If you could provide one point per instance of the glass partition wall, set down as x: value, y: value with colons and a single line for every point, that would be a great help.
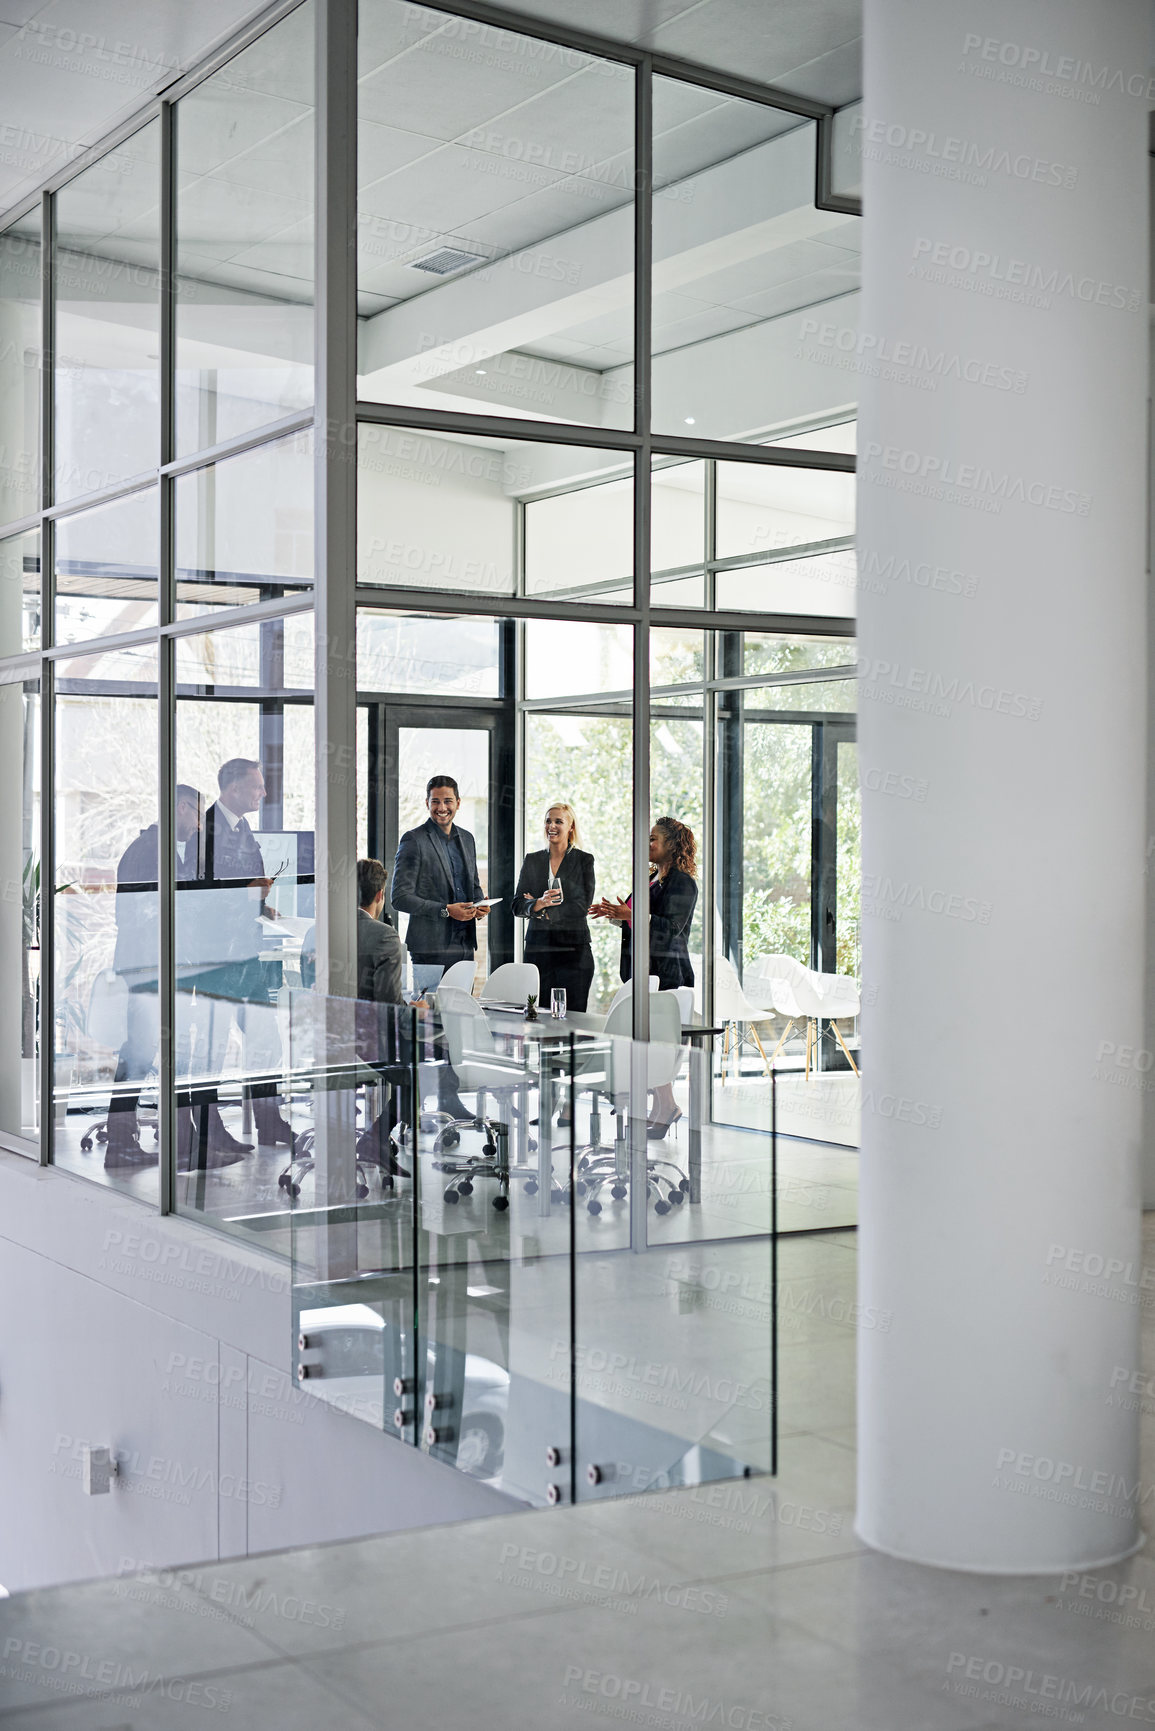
x: 547, y: 485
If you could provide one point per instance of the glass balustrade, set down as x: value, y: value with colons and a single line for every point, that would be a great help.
x: 496, y: 1259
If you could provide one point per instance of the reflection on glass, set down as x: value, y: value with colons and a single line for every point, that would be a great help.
x: 436, y: 513
x: 244, y: 528
x: 564, y: 658
x: 106, y: 1029
x: 849, y: 861
x: 20, y: 369
x: 244, y: 231
x: 107, y: 318
x: 766, y: 653
x: 678, y: 533
x: 20, y: 593
x: 495, y: 220
x: 20, y: 915
x: 677, y: 657
x: 746, y: 270
x: 402, y: 653
x: 585, y: 760
x: 106, y: 569
x: 581, y: 541
x: 244, y: 906
x: 763, y: 509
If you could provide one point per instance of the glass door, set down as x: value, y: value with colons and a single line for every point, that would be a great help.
x: 405, y: 745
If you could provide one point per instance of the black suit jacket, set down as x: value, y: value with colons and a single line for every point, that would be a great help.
x: 566, y: 926
x: 380, y: 960
x: 422, y: 886
x: 672, y: 903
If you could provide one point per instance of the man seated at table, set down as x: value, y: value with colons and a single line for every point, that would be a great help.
x: 380, y: 971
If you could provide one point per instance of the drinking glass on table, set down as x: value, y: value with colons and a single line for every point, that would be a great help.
x: 557, y: 1003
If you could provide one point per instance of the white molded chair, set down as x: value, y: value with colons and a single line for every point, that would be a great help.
x: 459, y: 977
x: 623, y: 993
x: 597, y: 1164
x: 512, y: 983
x: 733, y: 1007
x: 798, y: 993
x: 481, y: 1069
x: 823, y: 998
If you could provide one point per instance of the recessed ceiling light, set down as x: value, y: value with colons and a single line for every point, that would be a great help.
x: 689, y: 420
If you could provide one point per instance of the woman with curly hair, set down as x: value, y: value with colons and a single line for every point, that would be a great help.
x: 673, y: 898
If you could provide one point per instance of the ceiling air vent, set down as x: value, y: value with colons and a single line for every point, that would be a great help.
x: 446, y: 259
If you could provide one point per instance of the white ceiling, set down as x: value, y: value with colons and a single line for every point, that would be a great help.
x: 61, y: 90
x: 491, y: 143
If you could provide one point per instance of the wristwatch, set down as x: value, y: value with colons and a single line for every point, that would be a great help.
x: 445, y: 911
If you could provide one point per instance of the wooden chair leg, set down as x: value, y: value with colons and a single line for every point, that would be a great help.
x: 760, y: 1047
x: 782, y: 1041
x: 845, y: 1047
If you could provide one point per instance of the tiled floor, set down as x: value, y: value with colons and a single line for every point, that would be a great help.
x: 746, y: 1604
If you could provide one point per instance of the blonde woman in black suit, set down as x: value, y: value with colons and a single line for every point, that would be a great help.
x: 553, y: 895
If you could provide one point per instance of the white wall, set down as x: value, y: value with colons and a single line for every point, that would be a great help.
x: 173, y: 1346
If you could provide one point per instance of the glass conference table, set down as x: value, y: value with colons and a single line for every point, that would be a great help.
x: 557, y: 1069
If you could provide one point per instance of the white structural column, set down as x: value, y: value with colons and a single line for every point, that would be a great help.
x: 1002, y: 750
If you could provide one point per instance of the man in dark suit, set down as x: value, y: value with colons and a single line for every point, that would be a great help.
x: 380, y: 972
x: 234, y: 976
x: 380, y: 952
x: 136, y: 959
x: 435, y: 882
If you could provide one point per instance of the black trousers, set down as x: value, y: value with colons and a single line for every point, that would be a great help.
x: 568, y: 965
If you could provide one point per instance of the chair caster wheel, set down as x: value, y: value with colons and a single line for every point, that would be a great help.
x: 531, y: 1145
x: 387, y: 1181
x: 501, y: 1203
x: 465, y: 1189
x: 661, y: 1207
x: 678, y: 1196
x: 282, y: 1181
x: 557, y: 1196
x: 448, y: 1139
x: 531, y: 1187
x: 684, y: 1186
x: 86, y: 1144
x: 102, y: 1134
x: 451, y: 1196
x: 594, y: 1207
x: 579, y: 1187
x: 489, y: 1150
x: 294, y: 1190
x: 618, y: 1192
x: 361, y: 1191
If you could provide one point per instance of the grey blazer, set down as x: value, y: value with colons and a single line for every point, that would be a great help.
x: 380, y: 960
x: 422, y: 886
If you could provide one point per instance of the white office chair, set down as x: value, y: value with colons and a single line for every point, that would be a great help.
x: 824, y: 998
x: 459, y: 977
x: 798, y: 993
x: 598, y: 1164
x: 512, y: 983
x: 481, y: 1069
x: 623, y: 992
x: 733, y: 1007
x: 769, y: 983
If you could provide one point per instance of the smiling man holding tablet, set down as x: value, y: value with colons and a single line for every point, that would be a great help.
x: 435, y: 882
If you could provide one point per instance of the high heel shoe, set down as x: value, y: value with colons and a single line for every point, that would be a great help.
x: 657, y: 1128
